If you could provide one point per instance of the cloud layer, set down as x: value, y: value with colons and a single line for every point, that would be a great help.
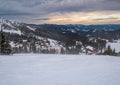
x: 43, y: 10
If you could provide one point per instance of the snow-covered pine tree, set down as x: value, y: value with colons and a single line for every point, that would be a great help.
x: 5, y: 47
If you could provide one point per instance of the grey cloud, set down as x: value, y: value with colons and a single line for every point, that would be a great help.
x: 9, y: 12
x: 82, y: 6
x: 118, y: 1
x: 42, y: 19
x: 50, y: 6
x: 14, y: 14
x: 43, y: 8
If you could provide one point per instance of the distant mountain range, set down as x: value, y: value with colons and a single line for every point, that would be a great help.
x: 75, y: 31
x: 64, y: 33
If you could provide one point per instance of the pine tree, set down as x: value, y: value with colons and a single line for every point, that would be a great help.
x: 108, y: 51
x: 114, y: 52
x: 5, y: 47
x: 0, y: 42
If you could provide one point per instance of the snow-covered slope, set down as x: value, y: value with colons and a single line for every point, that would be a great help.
x: 9, y: 26
x: 114, y: 45
x: 14, y: 27
x: 36, y: 69
x: 22, y: 29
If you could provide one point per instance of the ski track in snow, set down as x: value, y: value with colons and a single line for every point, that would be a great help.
x: 41, y: 69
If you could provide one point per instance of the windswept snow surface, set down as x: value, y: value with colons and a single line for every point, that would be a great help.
x: 40, y: 69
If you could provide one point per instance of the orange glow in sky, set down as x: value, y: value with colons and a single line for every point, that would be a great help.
x: 84, y: 18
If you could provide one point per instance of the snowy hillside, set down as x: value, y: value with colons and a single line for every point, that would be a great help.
x: 9, y: 26
x: 13, y: 27
x: 49, y: 38
x: 114, y: 45
x: 22, y: 35
x: 36, y: 69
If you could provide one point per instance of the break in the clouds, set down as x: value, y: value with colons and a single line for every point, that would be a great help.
x: 61, y: 11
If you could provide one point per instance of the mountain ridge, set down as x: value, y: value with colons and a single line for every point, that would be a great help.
x: 43, y: 37
x: 63, y: 30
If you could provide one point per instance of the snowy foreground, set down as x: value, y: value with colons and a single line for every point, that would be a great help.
x: 39, y: 69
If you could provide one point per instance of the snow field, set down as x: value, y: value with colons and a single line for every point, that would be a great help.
x: 41, y: 69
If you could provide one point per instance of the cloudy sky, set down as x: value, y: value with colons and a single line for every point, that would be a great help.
x: 62, y: 11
